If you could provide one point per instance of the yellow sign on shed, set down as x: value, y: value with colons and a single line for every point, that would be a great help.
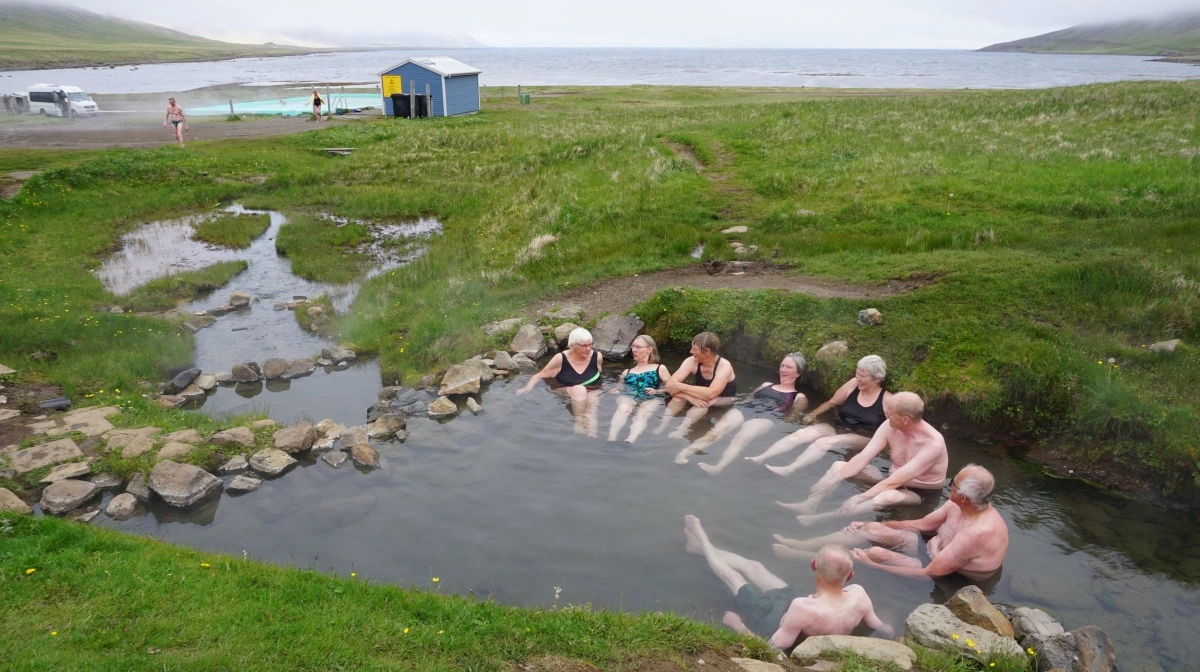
x: 391, y: 85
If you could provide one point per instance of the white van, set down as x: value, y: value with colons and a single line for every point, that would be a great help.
x: 49, y: 99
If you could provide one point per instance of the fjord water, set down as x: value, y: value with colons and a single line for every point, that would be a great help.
x: 835, y: 68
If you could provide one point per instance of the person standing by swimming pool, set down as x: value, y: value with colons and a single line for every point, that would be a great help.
x: 317, y: 103
x: 640, y: 389
x: 576, y: 374
x: 177, y: 119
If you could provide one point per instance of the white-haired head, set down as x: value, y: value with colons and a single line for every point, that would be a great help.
x: 579, y: 335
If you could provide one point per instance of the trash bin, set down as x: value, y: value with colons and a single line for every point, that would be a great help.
x: 423, y: 102
x: 524, y: 98
x: 400, y: 107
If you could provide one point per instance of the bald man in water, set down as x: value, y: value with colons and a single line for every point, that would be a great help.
x: 919, y: 461
x: 780, y: 613
x: 970, y: 536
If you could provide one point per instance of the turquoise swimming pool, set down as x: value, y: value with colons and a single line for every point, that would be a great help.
x: 289, y: 107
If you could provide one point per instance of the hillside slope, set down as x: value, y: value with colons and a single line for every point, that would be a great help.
x: 40, y: 36
x: 1175, y: 36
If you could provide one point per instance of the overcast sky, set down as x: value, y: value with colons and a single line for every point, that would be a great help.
x: 911, y: 24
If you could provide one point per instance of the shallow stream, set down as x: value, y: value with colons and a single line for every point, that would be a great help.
x: 513, y: 505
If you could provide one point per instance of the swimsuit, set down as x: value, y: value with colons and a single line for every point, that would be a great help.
x: 730, y: 387
x: 568, y: 376
x: 785, y: 399
x: 176, y: 121
x: 637, y: 384
x: 762, y: 611
x: 860, y: 419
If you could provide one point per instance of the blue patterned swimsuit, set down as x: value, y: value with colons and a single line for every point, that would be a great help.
x: 636, y: 384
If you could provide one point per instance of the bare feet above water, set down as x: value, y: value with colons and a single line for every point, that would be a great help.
x: 799, y: 507
x: 710, y: 468
x: 757, y: 459
x: 782, y: 471
x: 695, y: 535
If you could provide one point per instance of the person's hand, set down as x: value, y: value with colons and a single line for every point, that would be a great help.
x: 699, y: 403
x: 855, y: 527
x: 185, y: 127
x: 808, y: 419
x: 524, y: 390
x: 164, y: 123
x: 732, y: 620
x: 862, y: 556
x: 673, y: 386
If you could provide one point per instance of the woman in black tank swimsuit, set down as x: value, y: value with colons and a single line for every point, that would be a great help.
x: 860, y: 412
x: 577, y: 374
x: 783, y: 396
x: 715, y: 385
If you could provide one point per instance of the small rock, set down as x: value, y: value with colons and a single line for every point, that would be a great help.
x: 493, y: 328
x: 192, y: 390
x: 474, y: 406
x: 10, y: 502
x: 263, y: 423
x: 390, y: 392
x: 223, y: 377
x: 243, y: 484
x: 64, y: 471
x: 206, y: 381
x: 335, y: 459
x: 565, y: 314
x: 300, y: 367
x: 234, y: 436
x: 324, y: 426
x: 1054, y: 651
x: 235, y: 464
x: 323, y: 444
x: 271, y: 462
x: 442, y: 407
x: 1096, y: 652
x: 169, y: 401
x: 504, y: 362
x: 735, y: 229
x: 173, y: 450
x: 869, y: 317
x: 1165, y: 346
x: 529, y: 342
x: 324, y: 362
x: 297, y: 438
x: 1029, y: 621
x: 280, y: 305
x: 274, y: 368
x: 831, y: 351
x: 106, y: 480
x: 426, y: 382
x: 122, y: 507
x: 181, y: 380
x: 86, y: 516
x: 315, y: 312
x: 338, y: 354
x: 184, y: 436
x: 524, y: 363
x: 65, y: 495
x: 751, y: 665
x: 460, y: 379
x: 137, y: 487
x: 815, y: 648
x: 563, y: 332
x: 353, y: 436
x: 364, y: 455
x: 244, y: 373
x: 971, y: 606
x: 386, y: 426
x: 933, y: 625
x: 239, y: 299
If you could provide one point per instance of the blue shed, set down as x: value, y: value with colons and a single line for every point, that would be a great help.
x: 453, y: 85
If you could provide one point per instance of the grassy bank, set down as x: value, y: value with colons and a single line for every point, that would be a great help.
x: 1052, y: 230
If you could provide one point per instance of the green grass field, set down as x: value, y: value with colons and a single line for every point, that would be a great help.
x: 1055, y: 230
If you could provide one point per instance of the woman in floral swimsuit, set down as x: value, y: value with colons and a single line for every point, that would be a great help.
x: 640, y: 389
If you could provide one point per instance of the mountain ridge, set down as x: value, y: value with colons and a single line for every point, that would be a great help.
x: 1176, y: 36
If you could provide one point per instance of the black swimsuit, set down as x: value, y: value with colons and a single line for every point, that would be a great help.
x: 858, y: 418
x: 785, y: 399
x: 568, y: 376
x: 730, y: 387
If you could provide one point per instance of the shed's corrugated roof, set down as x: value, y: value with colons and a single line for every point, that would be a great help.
x: 442, y: 65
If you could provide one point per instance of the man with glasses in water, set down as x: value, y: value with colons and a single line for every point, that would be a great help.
x: 780, y: 613
x: 970, y: 536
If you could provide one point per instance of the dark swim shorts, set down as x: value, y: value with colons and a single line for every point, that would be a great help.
x: 762, y: 611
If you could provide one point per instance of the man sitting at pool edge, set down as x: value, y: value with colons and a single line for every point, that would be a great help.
x: 970, y: 538
x: 780, y: 613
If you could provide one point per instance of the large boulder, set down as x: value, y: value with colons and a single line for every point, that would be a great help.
x: 933, y: 626
x: 274, y: 368
x: 562, y: 332
x: 529, y: 342
x: 137, y: 446
x: 870, y: 317
x: 460, y: 379
x: 831, y: 351
x: 615, y: 333
x: 364, y: 455
x: 504, y: 362
x: 234, y: 436
x: 486, y: 375
x: 63, y: 496
x: 353, y: 436
x: 387, y: 426
x: 119, y: 438
x: 205, y: 381
x: 44, y: 455
x: 236, y: 464
x: 271, y: 462
x: 524, y: 363
x: 181, y: 381
x: 971, y: 606
x: 815, y: 648
x: 137, y: 487
x: 69, y: 470
x: 10, y: 502
x: 173, y: 450
x: 182, y: 485
x: 297, y: 438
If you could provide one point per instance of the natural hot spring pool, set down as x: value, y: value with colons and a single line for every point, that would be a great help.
x: 514, y: 505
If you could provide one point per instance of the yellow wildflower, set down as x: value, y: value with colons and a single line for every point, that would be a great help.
x: 353, y: 574
x: 30, y: 571
x: 53, y: 633
x: 954, y: 636
x: 1030, y: 651
x: 440, y: 631
x: 205, y: 565
x: 435, y: 579
x: 406, y: 631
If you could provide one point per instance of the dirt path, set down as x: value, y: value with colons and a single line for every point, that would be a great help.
x: 618, y: 295
x: 138, y: 130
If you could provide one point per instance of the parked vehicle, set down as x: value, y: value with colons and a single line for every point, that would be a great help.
x: 55, y: 100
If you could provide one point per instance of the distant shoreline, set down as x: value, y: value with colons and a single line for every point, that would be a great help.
x: 19, y: 66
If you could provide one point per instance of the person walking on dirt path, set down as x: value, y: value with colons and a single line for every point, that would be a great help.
x: 177, y: 118
x: 317, y: 103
